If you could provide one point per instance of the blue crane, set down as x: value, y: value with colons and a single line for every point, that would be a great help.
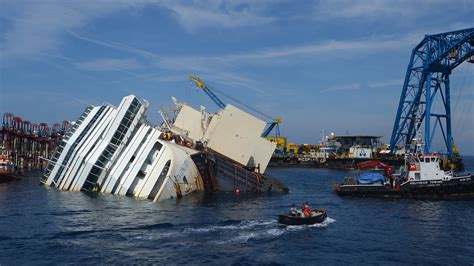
x: 213, y: 97
x: 271, y: 125
x: 431, y: 63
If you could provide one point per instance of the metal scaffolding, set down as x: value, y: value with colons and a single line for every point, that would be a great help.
x: 431, y: 63
x: 26, y: 143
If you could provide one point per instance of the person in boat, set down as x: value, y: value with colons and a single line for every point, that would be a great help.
x: 293, y: 210
x: 306, y: 209
x: 306, y: 205
x: 398, y: 182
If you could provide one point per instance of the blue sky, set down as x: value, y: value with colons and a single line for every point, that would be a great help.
x: 333, y: 65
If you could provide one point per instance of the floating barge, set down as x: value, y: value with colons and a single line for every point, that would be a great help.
x: 332, y: 163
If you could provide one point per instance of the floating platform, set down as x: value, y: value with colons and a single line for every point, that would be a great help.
x: 333, y: 163
x: 461, y: 187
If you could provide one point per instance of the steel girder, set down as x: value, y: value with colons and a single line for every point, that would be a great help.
x: 431, y: 63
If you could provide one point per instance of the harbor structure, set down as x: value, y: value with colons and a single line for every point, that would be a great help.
x: 336, y: 151
x: 24, y: 143
x: 425, y: 103
x: 426, y: 85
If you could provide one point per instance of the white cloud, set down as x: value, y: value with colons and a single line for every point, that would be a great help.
x: 110, y: 64
x: 367, y: 45
x: 113, y: 45
x: 370, y: 45
x: 225, y: 61
x: 371, y: 85
x: 386, y: 83
x: 353, y: 9
x: 217, y: 14
x: 233, y: 80
x: 222, y: 64
x: 402, y: 10
x: 153, y: 77
x: 342, y: 87
x: 38, y: 26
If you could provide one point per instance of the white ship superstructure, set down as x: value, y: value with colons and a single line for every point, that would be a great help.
x: 111, y: 149
x: 231, y: 132
x: 233, y: 155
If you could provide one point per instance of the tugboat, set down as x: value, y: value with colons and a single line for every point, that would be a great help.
x: 420, y: 178
x: 8, y: 170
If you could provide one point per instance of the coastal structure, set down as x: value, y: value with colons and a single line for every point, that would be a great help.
x: 24, y: 143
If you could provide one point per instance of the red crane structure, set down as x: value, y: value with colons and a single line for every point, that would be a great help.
x: 25, y: 142
x: 387, y: 169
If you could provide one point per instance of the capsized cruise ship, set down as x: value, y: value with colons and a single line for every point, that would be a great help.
x: 114, y: 150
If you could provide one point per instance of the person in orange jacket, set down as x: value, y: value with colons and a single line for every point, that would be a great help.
x: 306, y: 209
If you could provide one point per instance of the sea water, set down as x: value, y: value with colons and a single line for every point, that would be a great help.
x: 41, y: 225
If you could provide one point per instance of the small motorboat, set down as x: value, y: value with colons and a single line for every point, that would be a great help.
x: 317, y: 216
x: 8, y: 171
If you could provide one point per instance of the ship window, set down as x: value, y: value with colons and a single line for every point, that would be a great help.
x: 417, y: 176
x: 159, y: 181
x: 141, y: 174
x: 158, y: 146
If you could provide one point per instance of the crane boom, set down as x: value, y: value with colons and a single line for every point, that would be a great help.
x: 213, y: 97
x: 431, y: 64
x: 270, y: 127
x: 221, y: 105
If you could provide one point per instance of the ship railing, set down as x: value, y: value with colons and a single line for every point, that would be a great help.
x: 240, y: 175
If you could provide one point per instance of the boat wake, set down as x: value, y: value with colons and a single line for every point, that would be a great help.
x: 231, y: 231
x: 259, y: 230
x: 325, y: 223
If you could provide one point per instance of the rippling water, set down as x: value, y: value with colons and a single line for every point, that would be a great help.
x: 42, y: 225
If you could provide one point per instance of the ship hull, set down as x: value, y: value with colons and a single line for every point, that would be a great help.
x: 222, y: 174
x: 459, y: 187
x: 318, y: 217
x: 6, y: 177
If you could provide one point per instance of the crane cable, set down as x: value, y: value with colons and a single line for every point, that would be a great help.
x: 461, y: 88
x: 466, y: 108
x: 241, y: 103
